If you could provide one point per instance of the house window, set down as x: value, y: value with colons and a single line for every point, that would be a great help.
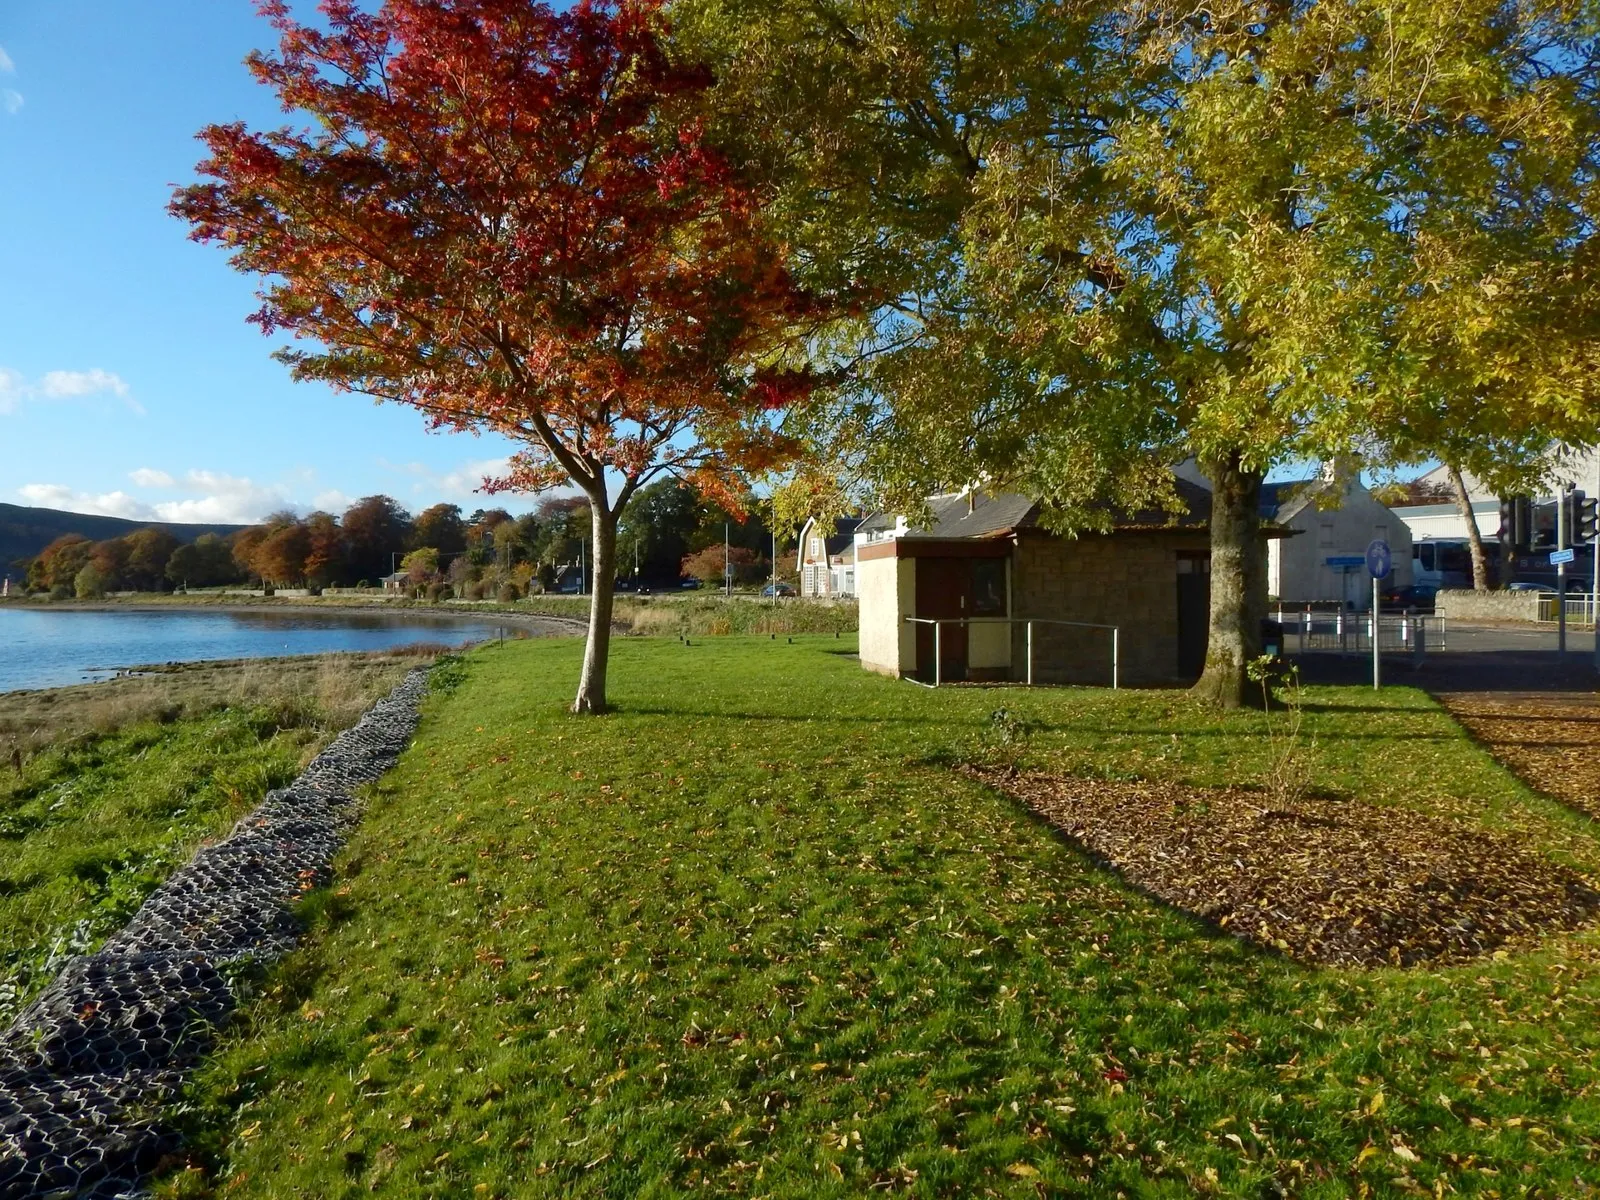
x: 816, y: 548
x: 811, y: 581
x: 1194, y: 562
x: 989, y: 587
x: 1325, y: 534
x: 1381, y: 532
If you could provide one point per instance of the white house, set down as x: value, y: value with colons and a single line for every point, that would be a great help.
x: 1332, y: 520
x: 827, y: 560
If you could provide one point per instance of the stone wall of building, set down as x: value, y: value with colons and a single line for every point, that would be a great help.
x: 1129, y: 580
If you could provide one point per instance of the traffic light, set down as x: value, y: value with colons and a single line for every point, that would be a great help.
x: 1516, y: 524
x: 1583, y: 519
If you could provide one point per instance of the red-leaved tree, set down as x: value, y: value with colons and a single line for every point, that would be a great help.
x: 510, y: 218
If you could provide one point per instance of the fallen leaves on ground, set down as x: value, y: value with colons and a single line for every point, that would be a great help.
x: 1325, y: 881
x: 1551, y: 740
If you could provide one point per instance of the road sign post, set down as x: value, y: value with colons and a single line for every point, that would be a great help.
x: 1379, y: 562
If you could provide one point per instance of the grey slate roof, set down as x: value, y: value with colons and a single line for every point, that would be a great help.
x: 843, y: 536
x: 992, y: 514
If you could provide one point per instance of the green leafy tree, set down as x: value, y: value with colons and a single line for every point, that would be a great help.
x: 654, y: 533
x: 1089, y: 240
x: 421, y: 566
x: 205, y: 562
x: 88, y: 583
x: 440, y: 527
x: 148, y: 553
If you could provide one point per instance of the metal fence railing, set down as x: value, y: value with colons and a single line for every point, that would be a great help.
x: 1028, y: 624
x: 1342, y: 632
x: 1580, y: 608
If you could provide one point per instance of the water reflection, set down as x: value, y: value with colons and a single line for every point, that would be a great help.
x: 50, y: 648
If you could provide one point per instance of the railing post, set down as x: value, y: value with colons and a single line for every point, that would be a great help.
x: 1116, y: 655
x: 938, y: 653
x: 1030, y: 653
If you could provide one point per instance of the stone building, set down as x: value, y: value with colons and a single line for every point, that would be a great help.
x: 985, y: 567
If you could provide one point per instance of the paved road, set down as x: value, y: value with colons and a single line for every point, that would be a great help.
x: 1479, y: 658
x: 1535, y: 711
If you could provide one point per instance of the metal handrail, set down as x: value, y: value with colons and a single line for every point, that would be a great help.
x: 1029, y: 623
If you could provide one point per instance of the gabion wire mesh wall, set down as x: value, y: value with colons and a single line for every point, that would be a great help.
x: 86, y: 1068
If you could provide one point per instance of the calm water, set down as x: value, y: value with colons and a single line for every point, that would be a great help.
x: 50, y: 649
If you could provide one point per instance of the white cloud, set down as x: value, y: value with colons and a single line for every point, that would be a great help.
x: 106, y: 504
x: 332, y: 501
x: 464, y: 483
x: 63, y: 385
x: 7, y: 67
x: 11, y: 101
x: 222, y: 499
x: 11, y: 390
x: 214, y: 498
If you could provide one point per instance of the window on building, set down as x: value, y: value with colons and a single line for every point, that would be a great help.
x: 1325, y: 534
x: 989, y: 587
x: 816, y: 548
x: 1380, y: 532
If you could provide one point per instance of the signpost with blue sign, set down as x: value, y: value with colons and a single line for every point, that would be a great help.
x: 1380, y: 561
x: 1560, y: 558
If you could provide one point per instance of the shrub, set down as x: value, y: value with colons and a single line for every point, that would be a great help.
x: 89, y: 584
x: 508, y: 593
x: 437, y: 592
x: 61, y: 592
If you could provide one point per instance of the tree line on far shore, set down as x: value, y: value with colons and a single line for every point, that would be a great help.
x: 671, y: 532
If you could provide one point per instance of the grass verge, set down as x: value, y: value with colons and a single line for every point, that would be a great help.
x: 124, y: 779
x: 751, y: 935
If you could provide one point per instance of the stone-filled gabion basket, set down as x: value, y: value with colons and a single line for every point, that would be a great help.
x: 87, y: 1067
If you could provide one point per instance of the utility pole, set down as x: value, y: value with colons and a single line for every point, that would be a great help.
x: 1562, y: 532
x: 727, y: 574
x: 1594, y: 590
x: 774, y: 551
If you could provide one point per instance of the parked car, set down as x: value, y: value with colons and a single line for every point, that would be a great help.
x: 777, y: 589
x: 1419, y: 597
x: 689, y: 585
x: 1527, y: 585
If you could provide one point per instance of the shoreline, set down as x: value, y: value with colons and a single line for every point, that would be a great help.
x: 302, y: 607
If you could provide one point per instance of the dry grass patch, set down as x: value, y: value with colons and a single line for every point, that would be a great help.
x: 1335, y: 882
x: 337, y: 688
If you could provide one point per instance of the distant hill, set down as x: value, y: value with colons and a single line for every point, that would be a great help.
x: 26, y: 531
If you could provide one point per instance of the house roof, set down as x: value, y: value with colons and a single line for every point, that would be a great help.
x: 843, y: 536
x: 995, y: 514
x: 1281, y: 500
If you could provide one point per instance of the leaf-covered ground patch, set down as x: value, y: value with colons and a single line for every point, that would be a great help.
x: 752, y: 936
x: 1551, y: 739
x: 1326, y: 881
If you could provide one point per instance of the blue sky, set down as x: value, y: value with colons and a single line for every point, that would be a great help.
x: 129, y: 381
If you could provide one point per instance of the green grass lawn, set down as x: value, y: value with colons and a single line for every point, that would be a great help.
x: 751, y: 935
x: 94, y: 823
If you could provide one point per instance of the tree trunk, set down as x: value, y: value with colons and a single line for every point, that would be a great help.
x: 1480, y: 561
x: 597, y: 650
x: 1238, y: 585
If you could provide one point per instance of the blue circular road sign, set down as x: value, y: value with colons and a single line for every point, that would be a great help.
x: 1379, y: 560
